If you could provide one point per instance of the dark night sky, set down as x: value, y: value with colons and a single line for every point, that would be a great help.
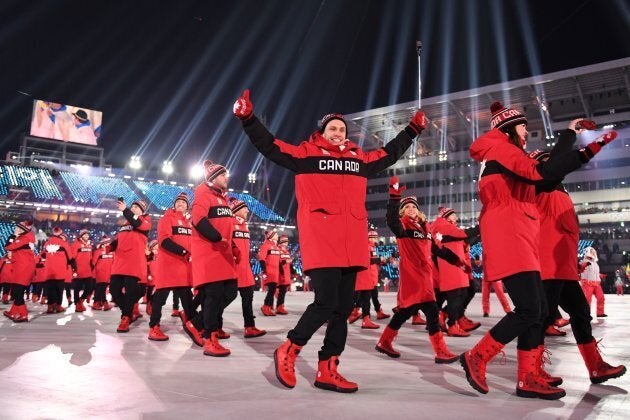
x: 165, y: 73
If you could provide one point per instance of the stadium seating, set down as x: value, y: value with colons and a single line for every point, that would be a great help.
x: 38, y: 180
x: 258, y: 208
x: 162, y: 195
x: 90, y: 189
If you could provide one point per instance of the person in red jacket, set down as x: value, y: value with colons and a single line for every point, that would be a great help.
x: 102, y: 260
x: 6, y: 271
x: 245, y: 277
x: 373, y: 239
x: 269, y: 259
x: 39, y: 280
x: 364, y: 286
x: 454, y: 280
x: 559, y: 267
x: 81, y: 251
x: 415, y: 284
x: 286, y: 273
x: 172, y: 270
x: 214, y: 254
x: 129, y: 265
x: 510, y: 230
x: 58, y: 261
x: 21, y: 245
x: 330, y: 182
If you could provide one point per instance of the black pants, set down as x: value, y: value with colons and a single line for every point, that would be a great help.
x: 375, y: 301
x: 469, y: 295
x: 271, y: 291
x: 430, y: 310
x: 68, y: 288
x: 530, y: 309
x: 570, y: 296
x: 124, y: 299
x: 6, y: 288
x: 17, y: 293
x: 364, y: 301
x: 142, y: 291
x: 176, y: 303
x: 37, y: 288
x: 216, y: 297
x: 150, y: 290
x: 455, y: 306
x: 334, y: 291
x: 83, y: 284
x: 99, y: 293
x: 440, y: 298
x: 54, y: 291
x: 247, y: 298
x: 282, y: 292
x: 159, y: 299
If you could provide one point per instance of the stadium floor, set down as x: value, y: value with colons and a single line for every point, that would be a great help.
x: 75, y: 366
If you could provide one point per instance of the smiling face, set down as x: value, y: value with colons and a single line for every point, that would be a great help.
x: 335, y: 132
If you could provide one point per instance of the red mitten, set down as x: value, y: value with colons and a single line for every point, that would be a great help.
x: 395, y: 189
x: 418, y: 122
x: 243, y: 107
x: 586, y: 125
x: 591, y: 149
x: 237, y: 254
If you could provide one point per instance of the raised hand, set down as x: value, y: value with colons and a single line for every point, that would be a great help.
x: 243, y: 107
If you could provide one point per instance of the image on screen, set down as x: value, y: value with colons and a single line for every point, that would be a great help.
x: 67, y: 123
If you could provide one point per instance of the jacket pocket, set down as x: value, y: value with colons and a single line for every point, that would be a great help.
x: 324, y: 208
x: 530, y: 216
x: 359, y: 213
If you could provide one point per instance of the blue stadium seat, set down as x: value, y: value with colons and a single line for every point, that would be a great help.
x: 258, y: 208
x: 90, y: 189
x: 161, y: 195
x: 37, y: 179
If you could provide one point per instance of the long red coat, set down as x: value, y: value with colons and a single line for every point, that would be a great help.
x: 6, y: 269
x: 560, y: 234
x: 23, y: 258
x: 212, y: 261
x: 269, y: 252
x: 367, y: 279
x: 40, y: 269
x: 58, y: 257
x: 240, y: 236
x: 82, y: 254
x: 129, y: 258
x: 285, y: 261
x: 173, y: 269
x: 415, y: 284
x: 102, y: 260
x: 330, y: 188
x: 449, y: 236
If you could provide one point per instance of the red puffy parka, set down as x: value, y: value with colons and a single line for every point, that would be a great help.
x: 269, y: 253
x: 285, y: 266
x: 172, y: 265
x: 240, y: 237
x: 368, y: 279
x: 58, y: 257
x: 330, y: 188
x: 102, y: 260
x: 82, y: 254
x: 23, y: 258
x: 131, y: 242
x: 448, y: 235
x: 212, y: 261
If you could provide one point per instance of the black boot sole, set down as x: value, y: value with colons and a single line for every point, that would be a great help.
x: 392, y: 355
x: 462, y: 361
x: 329, y: 387
x: 602, y: 379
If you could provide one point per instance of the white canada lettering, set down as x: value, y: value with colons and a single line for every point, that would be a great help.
x: 338, y: 165
x: 223, y: 211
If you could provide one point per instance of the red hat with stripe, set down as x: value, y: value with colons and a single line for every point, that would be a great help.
x: 25, y: 226
x: 445, y: 212
x: 212, y: 170
x: 183, y: 197
x: 504, y: 117
x: 140, y: 203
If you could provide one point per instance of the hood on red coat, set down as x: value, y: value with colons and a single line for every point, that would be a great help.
x: 487, y: 141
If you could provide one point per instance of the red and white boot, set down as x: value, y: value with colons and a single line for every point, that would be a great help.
x: 385, y: 343
x: 354, y: 316
x: 156, y: 334
x: 418, y: 320
x: 328, y: 378
x: 212, y: 347
x: 598, y: 370
x: 474, y: 362
x: 281, y: 311
x: 381, y: 315
x: 284, y: 360
x: 12, y: 312
x: 253, y: 332
x: 530, y: 383
x: 442, y: 353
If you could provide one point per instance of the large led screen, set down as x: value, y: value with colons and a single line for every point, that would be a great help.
x: 74, y: 124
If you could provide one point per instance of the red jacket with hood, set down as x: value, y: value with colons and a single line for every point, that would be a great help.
x: 130, y: 244
x: 22, y: 258
x: 172, y: 263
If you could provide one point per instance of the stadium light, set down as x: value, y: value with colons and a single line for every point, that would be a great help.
x: 196, y: 171
x: 251, y: 178
x: 135, y: 162
x: 167, y: 167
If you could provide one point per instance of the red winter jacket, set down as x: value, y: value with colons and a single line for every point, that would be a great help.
x: 240, y: 236
x: 285, y: 267
x: 130, y: 243
x: 211, y: 245
x: 58, y: 257
x: 509, y: 219
x: 560, y: 233
x: 447, y: 235
x: 23, y: 258
x: 82, y: 254
x: 269, y: 256
x: 40, y: 269
x: 172, y: 266
x: 6, y: 270
x: 330, y: 188
x: 367, y: 279
x: 102, y: 261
